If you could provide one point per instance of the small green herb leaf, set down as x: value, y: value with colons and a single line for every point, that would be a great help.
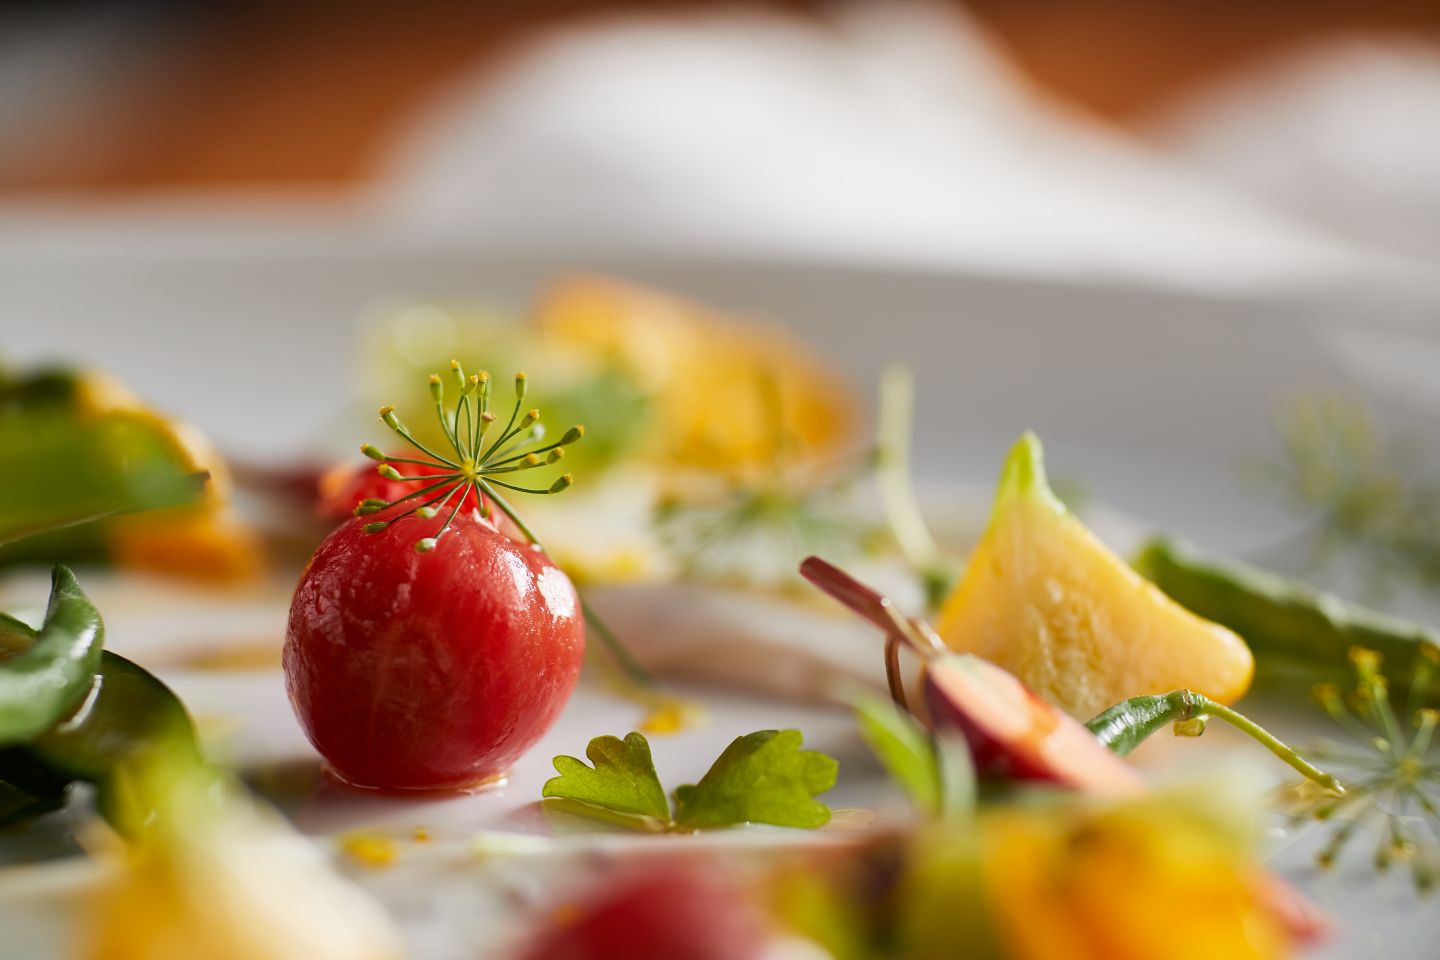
x: 622, y: 778
x: 938, y: 774
x: 957, y: 777
x: 762, y: 777
x: 904, y: 749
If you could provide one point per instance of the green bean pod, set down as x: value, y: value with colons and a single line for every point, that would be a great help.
x: 50, y: 677
x: 127, y: 717
x: 131, y: 714
x: 1295, y: 631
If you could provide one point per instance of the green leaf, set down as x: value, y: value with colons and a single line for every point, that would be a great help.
x: 762, y: 777
x: 621, y: 779
x: 956, y: 766
x: 62, y: 470
x: 904, y: 749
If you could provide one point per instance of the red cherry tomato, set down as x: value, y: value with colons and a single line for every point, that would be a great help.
x: 430, y: 670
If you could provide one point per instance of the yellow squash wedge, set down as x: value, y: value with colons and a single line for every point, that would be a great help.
x: 1045, y: 599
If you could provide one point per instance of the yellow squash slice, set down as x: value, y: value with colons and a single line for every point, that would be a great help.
x: 1045, y: 599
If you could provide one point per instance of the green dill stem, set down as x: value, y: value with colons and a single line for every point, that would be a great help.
x: 1269, y: 741
x: 422, y: 478
x: 508, y: 510
x: 632, y: 667
x: 520, y: 438
x: 499, y: 463
x: 528, y: 430
x: 517, y: 466
x: 508, y: 432
x: 437, y: 393
x: 418, y: 463
x: 463, y: 435
x: 1421, y: 676
x: 482, y: 409
x: 897, y: 491
x: 442, y: 497
x: 510, y: 486
x: 1424, y: 732
x: 418, y: 493
x: 393, y: 422
x: 1126, y: 725
x: 465, y: 487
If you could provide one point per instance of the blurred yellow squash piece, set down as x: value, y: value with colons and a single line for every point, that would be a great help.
x: 213, y: 875
x: 1143, y: 879
x: 1044, y: 598
x: 717, y: 380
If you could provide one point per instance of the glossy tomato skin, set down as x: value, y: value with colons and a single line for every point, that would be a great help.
x: 430, y: 671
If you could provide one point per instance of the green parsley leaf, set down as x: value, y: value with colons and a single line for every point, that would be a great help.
x: 762, y: 777
x: 623, y: 778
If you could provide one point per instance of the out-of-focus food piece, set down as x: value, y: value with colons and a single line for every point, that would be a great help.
x: 426, y: 648
x: 1298, y: 633
x: 1014, y: 734
x: 1045, y: 599
x: 1150, y: 877
x: 94, y: 475
x: 601, y: 532
x: 430, y: 671
x: 402, y: 345
x: 202, y: 545
x: 215, y: 875
x: 682, y: 911
x: 687, y: 399
x: 716, y: 381
x: 47, y: 674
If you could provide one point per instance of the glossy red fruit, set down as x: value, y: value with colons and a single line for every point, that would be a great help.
x: 1015, y: 735
x: 678, y: 912
x: 427, y: 671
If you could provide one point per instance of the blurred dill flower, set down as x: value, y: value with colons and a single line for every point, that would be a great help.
x: 1361, y: 491
x: 1390, y: 769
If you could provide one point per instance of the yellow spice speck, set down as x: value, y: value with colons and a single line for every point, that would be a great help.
x: 369, y: 850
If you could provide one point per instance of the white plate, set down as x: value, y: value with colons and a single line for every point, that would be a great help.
x: 1153, y: 399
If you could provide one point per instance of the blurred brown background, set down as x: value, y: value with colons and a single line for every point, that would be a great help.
x: 307, y: 94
